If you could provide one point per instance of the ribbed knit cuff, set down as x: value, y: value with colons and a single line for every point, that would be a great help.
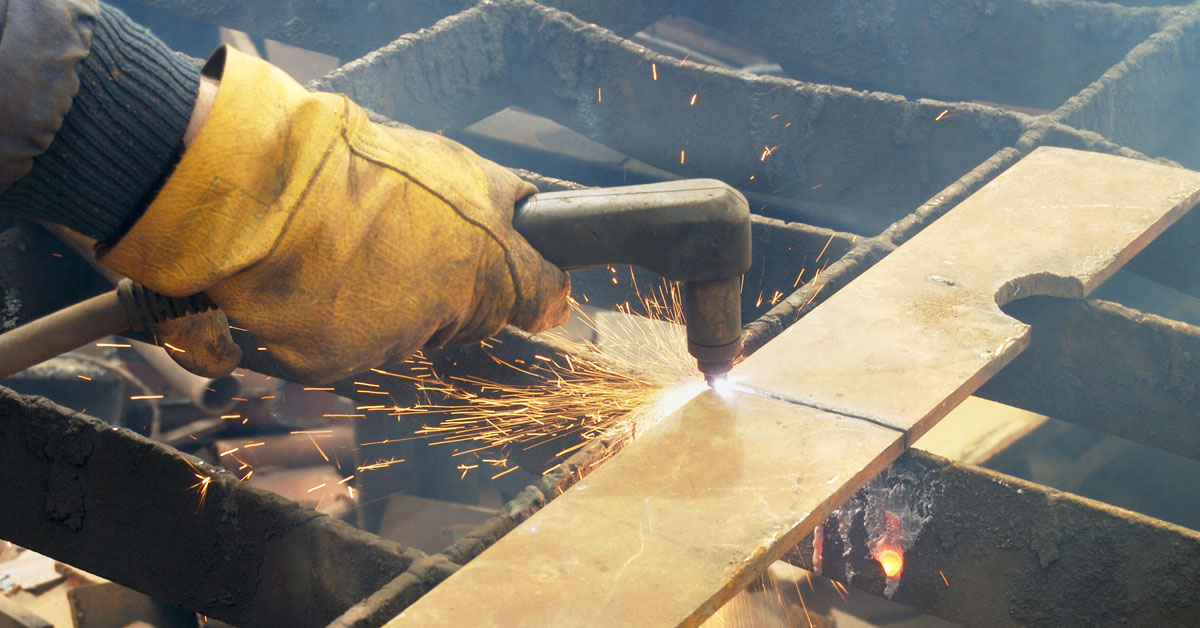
x: 121, y: 138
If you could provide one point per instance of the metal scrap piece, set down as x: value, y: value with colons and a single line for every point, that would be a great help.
x: 693, y: 511
x: 922, y: 329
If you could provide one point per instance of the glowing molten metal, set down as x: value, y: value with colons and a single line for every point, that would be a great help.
x: 892, y: 561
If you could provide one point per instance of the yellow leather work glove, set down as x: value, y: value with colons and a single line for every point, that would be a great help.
x: 339, y: 243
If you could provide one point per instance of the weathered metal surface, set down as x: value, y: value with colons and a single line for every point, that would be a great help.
x: 118, y: 505
x: 1108, y: 368
x: 811, y: 143
x: 1022, y: 52
x: 1142, y: 102
x: 1015, y: 553
x: 922, y: 329
x: 957, y: 52
x: 347, y: 29
x: 673, y: 526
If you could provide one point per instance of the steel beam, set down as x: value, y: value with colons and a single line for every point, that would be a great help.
x: 1107, y: 368
x: 164, y: 523
x: 1015, y: 553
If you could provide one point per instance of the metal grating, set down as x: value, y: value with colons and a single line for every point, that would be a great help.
x: 863, y: 170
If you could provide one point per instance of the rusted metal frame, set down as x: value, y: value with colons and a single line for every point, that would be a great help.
x: 353, y: 28
x: 516, y: 52
x: 405, y: 589
x: 346, y: 29
x: 930, y: 51
x: 167, y: 524
x: 963, y: 51
x: 1016, y: 553
x: 1108, y: 368
x: 1144, y: 101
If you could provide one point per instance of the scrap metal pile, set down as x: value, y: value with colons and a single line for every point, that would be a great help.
x: 850, y: 128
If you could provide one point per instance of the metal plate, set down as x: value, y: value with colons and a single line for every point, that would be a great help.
x: 922, y: 329
x: 688, y: 515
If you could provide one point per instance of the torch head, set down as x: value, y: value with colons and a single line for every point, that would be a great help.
x: 696, y: 231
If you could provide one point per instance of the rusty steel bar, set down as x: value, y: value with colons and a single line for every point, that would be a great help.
x: 146, y: 516
x: 1015, y: 553
x: 1108, y: 368
x: 1141, y: 101
x: 960, y: 51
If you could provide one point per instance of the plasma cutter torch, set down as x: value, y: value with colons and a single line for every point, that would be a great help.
x: 696, y: 231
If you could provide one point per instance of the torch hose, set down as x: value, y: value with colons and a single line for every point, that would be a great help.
x: 130, y: 307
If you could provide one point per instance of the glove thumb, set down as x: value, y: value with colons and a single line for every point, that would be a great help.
x: 200, y: 343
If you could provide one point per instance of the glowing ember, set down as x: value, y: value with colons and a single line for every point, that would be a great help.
x: 891, y: 560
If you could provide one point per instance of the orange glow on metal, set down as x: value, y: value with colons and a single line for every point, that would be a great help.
x: 892, y: 561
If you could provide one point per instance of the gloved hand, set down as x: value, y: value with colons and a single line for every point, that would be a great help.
x: 338, y: 242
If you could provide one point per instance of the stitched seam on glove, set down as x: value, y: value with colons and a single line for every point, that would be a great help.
x: 514, y: 277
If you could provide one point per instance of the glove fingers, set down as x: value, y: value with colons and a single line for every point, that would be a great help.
x: 204, y: 344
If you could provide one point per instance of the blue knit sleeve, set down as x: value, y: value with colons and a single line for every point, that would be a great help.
x: 121, y: 137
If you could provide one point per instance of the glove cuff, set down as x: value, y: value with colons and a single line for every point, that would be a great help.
x: 225, y: 204
x: 120, y: 138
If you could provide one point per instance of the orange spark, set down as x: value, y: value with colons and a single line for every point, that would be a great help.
x: 380, y: 464
x: 654, y: 70
x: 941, y: 115
x: 201, y: 487
x: 505, y: 472
x: 824, y: 248
x: 319, y: 450
x: 692, y: 102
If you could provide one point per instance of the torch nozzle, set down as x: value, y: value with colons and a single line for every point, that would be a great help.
x: 715, y: 380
